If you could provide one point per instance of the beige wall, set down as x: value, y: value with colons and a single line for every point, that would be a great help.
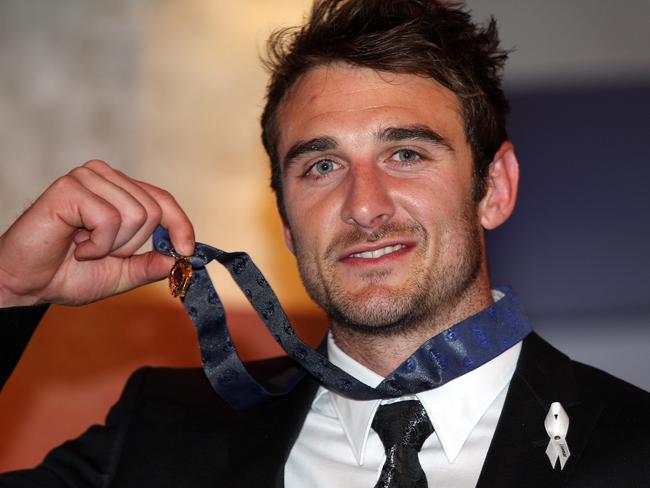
x: 170, y: 92
x: 201, y: 91
x: 67, y: 85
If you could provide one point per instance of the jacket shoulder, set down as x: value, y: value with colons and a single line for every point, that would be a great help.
x: 624, y: 407
x: 191, y: 386
x: 593, y: 381
x: 178, y: 420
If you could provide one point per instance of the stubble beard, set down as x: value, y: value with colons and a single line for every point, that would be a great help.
x: 427, y: 294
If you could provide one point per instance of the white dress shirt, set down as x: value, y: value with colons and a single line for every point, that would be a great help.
x: 337, y: 447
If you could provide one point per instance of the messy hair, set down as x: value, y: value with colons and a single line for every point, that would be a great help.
x: 431, y: 38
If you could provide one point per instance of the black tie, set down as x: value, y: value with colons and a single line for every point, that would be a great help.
x: 402, y: 427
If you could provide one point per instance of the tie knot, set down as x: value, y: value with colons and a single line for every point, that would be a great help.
x: 402, y: 424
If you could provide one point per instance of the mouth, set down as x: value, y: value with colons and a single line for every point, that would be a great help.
x: 377, y: 253
x: 381, y: 252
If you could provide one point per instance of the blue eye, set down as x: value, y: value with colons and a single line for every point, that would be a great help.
x: 323, y: 167
x: 407, y: 156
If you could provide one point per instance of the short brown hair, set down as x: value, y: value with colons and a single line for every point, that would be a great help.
x: 430, y: 38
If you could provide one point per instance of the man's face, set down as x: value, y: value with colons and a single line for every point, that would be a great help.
x: 377, y: 181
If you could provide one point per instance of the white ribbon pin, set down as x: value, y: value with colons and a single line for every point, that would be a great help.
x: 557, y: 425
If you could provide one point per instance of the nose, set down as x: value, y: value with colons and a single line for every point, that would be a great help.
x: 368, y: 201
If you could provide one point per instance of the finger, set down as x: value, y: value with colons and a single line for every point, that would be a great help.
x: 83, y: 209
x: 141, y: 269
x: 173, y: 219
x: 152, y: 208
x: 132, y: 213
x: 171, y: 215
x: 81, y: 236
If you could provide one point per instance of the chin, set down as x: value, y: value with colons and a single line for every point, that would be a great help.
x: 377, y: 312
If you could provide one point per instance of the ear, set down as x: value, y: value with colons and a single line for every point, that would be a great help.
x: 502, y: 182
x: 288, y: 237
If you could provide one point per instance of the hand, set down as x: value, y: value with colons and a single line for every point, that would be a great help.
x: 76, y: 243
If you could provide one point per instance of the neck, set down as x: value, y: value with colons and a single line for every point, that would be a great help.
x: 383, y: 353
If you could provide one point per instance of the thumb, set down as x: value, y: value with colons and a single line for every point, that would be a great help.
x: 141, y: 269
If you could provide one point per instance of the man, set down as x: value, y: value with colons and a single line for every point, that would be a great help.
x: 385, y: 126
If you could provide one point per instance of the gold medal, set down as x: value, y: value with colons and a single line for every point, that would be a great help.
x: 179, y: 276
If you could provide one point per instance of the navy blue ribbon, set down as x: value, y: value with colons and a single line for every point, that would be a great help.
x: 446, y: 356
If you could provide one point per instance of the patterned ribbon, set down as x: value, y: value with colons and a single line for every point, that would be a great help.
x: 446, y: 356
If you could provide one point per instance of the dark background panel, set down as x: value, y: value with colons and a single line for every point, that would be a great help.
x: 577, y: 247
x: 579, y: 238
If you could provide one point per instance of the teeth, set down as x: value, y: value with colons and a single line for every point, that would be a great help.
x: 377, y: 253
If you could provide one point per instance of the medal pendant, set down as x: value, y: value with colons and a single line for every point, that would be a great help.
x: 179, y: 277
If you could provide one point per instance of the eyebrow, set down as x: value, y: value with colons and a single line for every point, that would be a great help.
x: 389, y: 134
x: 413, y: 132
x: 317, y: 144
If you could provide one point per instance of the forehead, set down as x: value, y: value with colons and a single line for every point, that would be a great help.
x: 346, y: 101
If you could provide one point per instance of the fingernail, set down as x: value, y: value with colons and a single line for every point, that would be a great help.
x: 187, y: 248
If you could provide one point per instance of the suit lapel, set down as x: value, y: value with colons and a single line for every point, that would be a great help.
x: 263, y: 438
x: 516, y: 456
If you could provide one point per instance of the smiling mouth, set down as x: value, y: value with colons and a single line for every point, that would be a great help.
x: 377, y: 253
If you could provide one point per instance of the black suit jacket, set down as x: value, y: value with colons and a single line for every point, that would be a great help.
x: 170, y: 429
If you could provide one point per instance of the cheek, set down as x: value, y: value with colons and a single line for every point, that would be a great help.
x: 311, y: 210
x: 422, y: 200
x: 309, y: 225
x: 435, y: 201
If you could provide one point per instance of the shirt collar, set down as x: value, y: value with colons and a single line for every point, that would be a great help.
x: 454, y: 408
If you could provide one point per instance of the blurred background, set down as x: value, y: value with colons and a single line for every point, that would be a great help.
x: 171, y: 92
